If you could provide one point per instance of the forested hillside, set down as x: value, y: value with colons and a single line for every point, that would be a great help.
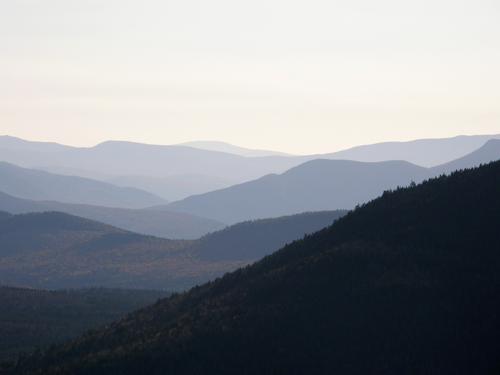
x: 406, y: 284
x: 55, y: 250
x: 32, y: 318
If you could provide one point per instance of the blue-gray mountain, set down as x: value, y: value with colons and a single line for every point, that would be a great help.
x: 40, y: 185
x: 175, y: 172
x: 160, y: 223
x: 423, y: 152
x: 319, y: 185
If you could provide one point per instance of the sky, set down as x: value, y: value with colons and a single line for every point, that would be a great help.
x: 296, y: 76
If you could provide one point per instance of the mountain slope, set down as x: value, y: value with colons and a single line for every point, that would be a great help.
x: 313, y: 186
x: 423, y: 152
x: 160, y: 223
x: 174, y: 187
x: 485, y: 154
x: 319, y: 184
x: 252, y: 240
x: 32, y: 318
x: 55, y: 250
x: 40, y: 185
x: 408, y: 283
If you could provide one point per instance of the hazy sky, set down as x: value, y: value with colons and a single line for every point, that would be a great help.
x: 297, y: 76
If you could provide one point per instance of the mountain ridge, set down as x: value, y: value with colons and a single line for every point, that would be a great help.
x: 55, y: 250
x: 320, y: 184
x: 122, y: 159
x: 40, y: 185
x: 160, y: 223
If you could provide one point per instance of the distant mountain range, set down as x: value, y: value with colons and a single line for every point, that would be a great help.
x: 406, y: 284
x: 485, y: 154
x: 40, y: 185
x: 232, y: 149
x: 56, y: 250
x: 423, y: 152
x: 31, y: 318
x: 173, y: 187
x: 319, y: 185
x: 315, y: 185
x: 160, y: 223
x: 114, y: 159
x: 174, y: 172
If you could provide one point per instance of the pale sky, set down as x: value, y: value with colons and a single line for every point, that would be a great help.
x: 297, y: 76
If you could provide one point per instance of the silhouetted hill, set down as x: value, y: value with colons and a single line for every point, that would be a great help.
x: 252, y: 240
x: 313, y: 186
x: 407, y: 284
x: 423, y: 152
x: 31, y: 318
x: 40, y: 185
x: 160, y: 223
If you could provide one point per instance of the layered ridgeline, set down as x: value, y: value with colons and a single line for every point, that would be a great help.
x: 319, y: 185
x: 31, y: 318
x: 154, y: 222
x: 136, y: 162
x: 40, y: 185
x: 177, y: 171
x: 408, y: 283
x: 315, y: 185
x: 55, y: 250
x: 423, y: 152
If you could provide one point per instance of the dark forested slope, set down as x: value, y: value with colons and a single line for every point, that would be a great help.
x: 407, y: 284
x: 33, y: 318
